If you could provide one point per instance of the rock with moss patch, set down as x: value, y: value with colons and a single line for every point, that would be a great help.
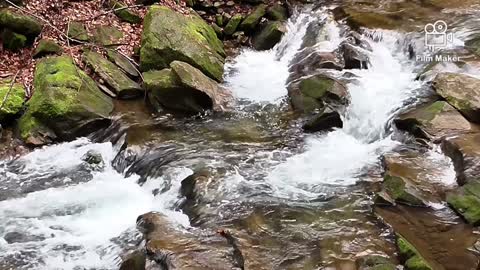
x: 309, y: 60
x: 232, y: 25
x: 314, y: 92
x: 277, y: 12
x: 19, y: 23
x: 107, y: 35
x: 413, y: 260
x: 66, y: 103
x: 433, y: 121
x: 269, y: 36
x: 123, y: 62
x: 397, y: 189
x: 169, y: 36
x: 13, y: 103
x: 46, y: 47
x: 77, y: 31
x: 253, y: 19
x: 125, y: 14
x: 13, y: 41
x: 375, y: 262
x: 461, y: 91
x: 184, y: 88
x: 123, y: 86
x: 466, y: 202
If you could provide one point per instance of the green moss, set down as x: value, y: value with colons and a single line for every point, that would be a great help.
x: 371, y: 20
x: 232, y: 24
x: 160, y: 79
x: 396, y: 188
x: 413, y: 259
x: 14, y: 102
x: 13, y: 41
x: 252, y: 20
x: 316, y: 87
x: 417, y: 263
x: 19, y: 23
x: 77, y: 30
x: 125, y: 14
x: 45, y: 47
x: 270, y: 35
x: 277, y: 12
x: 467, y: 202
x: 107, y: 36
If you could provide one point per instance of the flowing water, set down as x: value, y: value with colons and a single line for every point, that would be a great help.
x: 303, y: 191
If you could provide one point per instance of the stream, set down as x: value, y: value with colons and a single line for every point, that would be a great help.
x: 305, y: 200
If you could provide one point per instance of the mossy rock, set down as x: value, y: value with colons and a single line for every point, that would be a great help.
x: 66, y: 103
x: 125, y: 14
x: 13, y: 104
x: 466, y: 202
x: 107, y: 35
x: 396, y: 188
x: 46, y: 47
x: 232, y: 25
x: 169, y: 36
x: 113, y: 76
x: 269, y: 36
x: 375, y: 262
x: 19, y: 23
x: 253, y: 19
x: 474, y: 45
x: 277, y: 12
x: 13, y: 41
x: 218, y: 30
x: 123, y: 62
x: 461, y: 91
x: 410, y: 255
x: 77, y: 31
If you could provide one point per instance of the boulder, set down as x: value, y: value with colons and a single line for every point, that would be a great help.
x: 113, y: 76
x: 93, y: 158
x: 66, y: 103
x: 309, y: 60
x: 232, y: 25
x: 77, y: 31
x: 315, y: 91
x: 396, y: 189
x: 462, y: 92
x: 13, y: 103
x: 412, y: 259
x: 126, y: 14
x: 433, y: 121
x: 269, y: 36
x: 136, y: 260
x: 13, y: 41
x: 277, y: 12
x: 169, y: 36
x: 253, y: 19
x: 46, y: 47
x: 107, y: 35
x: 123, y: 62
x: 185, y: 88
x: 19, y: 23
x: 326, y: 120
x: 355, y: 57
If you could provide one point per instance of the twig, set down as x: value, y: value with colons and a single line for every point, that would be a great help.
x: 110, y: 11
x: 9, y: 90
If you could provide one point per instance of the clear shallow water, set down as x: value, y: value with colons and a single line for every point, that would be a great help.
x: 83, y: 218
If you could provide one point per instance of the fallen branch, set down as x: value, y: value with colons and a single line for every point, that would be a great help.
x: 9, y: 90
x: 111, y: 11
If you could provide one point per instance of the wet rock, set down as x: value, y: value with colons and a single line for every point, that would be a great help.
x: 19, y: 23
x: 434, y: 121
x: 413, y: 260
x: 308, y: 61
x: 46, y: 47
x: 473, y: 45
x: 462, y: 92
x: 93, y: 158
x: 375, y: 262
x: 219, y: 20
x: 253, y: 19
x: 77, y: 31
x: 20, y: 237
x: 107, y: 35
x: 78, y: 106
x: 269, y: 36
x: 13, y: 41
x: 326, y: 120
x: 170, y: 36
x: 398, y: 190
x: 184, y: 88
x: 464, y: 150
x: 174, y: 248
x: 466, y: 202
x: 357, y: 18
x: 218, y: 30
x: 125, y: 14
x: 277, y: 12
x: 123, y: 62
x: 113, y: 76
x: 134, y: 261
x: 312, y: 93
x: 232, y: 25
x: 13, y: 102
x: 354, y: 57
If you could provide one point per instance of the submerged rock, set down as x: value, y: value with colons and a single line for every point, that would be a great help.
x: 269, y: 36
x: 312, y: 93
x: 169, y: 36
x: 46, y: 47
x: 325, y: 120
x: 66, y: 103
x: 185, y: 88
x: 375, y: 262
x: 474, y: 45
x: 114, y: 77
x: 413, y: 260
x: 462, y: 92
x: 13, y: 104
x: 434, y: 121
